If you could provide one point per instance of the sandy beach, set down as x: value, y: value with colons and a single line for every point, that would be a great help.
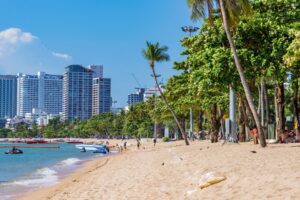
x: 174, y: 171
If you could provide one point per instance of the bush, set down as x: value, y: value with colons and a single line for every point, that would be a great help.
x: 165, y: 139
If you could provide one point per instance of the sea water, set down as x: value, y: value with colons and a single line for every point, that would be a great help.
x: 36, y: 167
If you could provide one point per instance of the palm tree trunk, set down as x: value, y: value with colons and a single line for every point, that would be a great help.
x: 199, y: 120
x: 242, y: 76
x: 241, y: 121
x: 169, y: 107
x: 214, y: 124
x: 279, y: 101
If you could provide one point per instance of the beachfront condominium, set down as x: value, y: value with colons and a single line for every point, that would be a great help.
x: 136, y: 97
x: 27, y: 93
x: 42, y: 91
x: 8, y: 96
x: 50, y: 93
x: 97, y: 70
x: 77, y: 95
x: 102, y: 100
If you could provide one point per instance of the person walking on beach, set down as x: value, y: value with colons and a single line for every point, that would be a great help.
x: 154, y: 141
x: 138, y: 143
x: 125, y: 146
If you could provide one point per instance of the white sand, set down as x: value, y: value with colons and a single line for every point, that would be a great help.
x: 173, y: 171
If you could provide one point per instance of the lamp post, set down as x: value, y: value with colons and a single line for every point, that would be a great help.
x: 190, y: 30
x: 155, y: 132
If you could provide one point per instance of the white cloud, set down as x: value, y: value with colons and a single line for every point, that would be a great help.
x: 11, y: 38
x: 61, y: 55
x: 15, y: 35
x: 24, y: 52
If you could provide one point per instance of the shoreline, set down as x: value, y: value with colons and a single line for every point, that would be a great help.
x: 174, y: 171
x: 88, y: 166
x: 46, y: 176
x: 65, y: 179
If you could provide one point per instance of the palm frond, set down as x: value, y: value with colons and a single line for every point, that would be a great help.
x: 155, y: 53
x: 236, y: 8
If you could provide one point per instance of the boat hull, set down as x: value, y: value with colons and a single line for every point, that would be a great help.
x: 89, y: 147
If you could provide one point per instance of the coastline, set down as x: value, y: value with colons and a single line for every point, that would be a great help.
x: 174, y: 171
x: 42, y: 174
x: 68, y: 179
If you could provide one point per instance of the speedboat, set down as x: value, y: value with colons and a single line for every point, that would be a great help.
x: 102, y: 150
x: 89, y: 147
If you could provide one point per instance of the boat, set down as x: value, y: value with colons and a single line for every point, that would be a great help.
x: 102, y: 150
x: 89, y: 147
x: 75, y: 142
x: 36, y: 142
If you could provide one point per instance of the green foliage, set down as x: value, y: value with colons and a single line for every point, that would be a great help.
x: 54, y: 128
x: 165, y: 139
x: 4, y: 133
x: 138, y: 122
x: 234, y: 9
x: 292, y: 57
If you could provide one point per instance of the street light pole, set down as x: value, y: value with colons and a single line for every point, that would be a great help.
x: 190, y: 30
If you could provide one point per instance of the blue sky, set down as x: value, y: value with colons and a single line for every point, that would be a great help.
x: 48, y: 35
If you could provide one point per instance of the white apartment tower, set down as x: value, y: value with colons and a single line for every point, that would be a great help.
x: 42, y: 91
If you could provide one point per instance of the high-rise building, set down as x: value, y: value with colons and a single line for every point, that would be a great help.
x: 97, y: 70
x: 151, y: 92
x: 102, y: 101
x: 42, y: 91
x: 8, y: 96
x: 77, y: 93
x: 27, y: 93
x: 50, y: 93
x: 136, y: 97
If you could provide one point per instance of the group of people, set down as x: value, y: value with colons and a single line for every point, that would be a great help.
x: 122, y: 147
x: 284, y: 136
x: 138, y: 142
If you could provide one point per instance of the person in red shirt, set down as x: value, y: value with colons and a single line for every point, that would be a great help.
x: 254, y: 133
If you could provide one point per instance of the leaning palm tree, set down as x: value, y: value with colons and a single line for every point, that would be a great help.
x: 230, y: 12
x: 155, y: 53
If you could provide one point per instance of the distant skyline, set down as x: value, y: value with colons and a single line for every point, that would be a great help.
x: 49, y: 35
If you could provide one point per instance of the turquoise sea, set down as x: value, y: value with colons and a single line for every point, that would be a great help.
x: 37, y: 167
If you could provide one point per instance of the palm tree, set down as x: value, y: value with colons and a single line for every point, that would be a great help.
x: 155, y: 53
x: 230, y: 12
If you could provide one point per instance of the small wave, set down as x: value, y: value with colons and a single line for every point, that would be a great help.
x: 69, y: 162
x: 46, y: 171
x: 43, y: 177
